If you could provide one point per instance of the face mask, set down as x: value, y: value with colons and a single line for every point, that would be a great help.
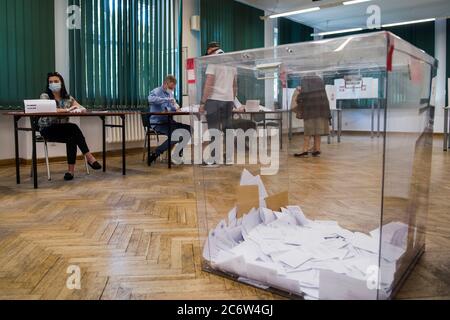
x: 55, y: 87
x: 217, y: 51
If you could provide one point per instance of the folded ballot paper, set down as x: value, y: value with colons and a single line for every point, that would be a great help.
x: 268, y: 243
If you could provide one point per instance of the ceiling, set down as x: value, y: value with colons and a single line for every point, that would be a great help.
x: 354, y: 16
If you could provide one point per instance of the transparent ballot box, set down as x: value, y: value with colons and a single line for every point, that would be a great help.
x: 281, y: 207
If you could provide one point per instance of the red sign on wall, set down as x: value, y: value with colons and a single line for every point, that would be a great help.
x: 190, y: 65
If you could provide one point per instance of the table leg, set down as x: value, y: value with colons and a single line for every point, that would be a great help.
x: 281, y: 132
x: 124, y: 163
x: 332, y: 128
x: 290, y: 117
x: 104, y: 142
x: 16, y: 146
x: 378, y: 120
x: 339, y: 125
x: 372, y: 123
x: 148, y: 148
x: 445, y: 129
x: 34, y: 152
x: 170, y: 142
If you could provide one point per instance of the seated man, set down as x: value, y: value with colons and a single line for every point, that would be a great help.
x: 162, y: 99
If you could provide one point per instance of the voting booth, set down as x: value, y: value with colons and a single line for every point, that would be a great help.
x: 349, y: 224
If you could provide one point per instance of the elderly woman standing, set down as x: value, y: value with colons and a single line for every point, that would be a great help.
x: 313, y: 107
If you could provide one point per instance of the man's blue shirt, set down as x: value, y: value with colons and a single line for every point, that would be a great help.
x: 160, y: 101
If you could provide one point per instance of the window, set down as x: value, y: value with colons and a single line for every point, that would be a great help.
x: 123, y: 50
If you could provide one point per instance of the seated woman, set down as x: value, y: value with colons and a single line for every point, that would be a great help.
x: 56, y: 129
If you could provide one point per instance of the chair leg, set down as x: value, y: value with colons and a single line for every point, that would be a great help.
x: 145, y: 144
x: 87, y: 166
x: 47, y: 162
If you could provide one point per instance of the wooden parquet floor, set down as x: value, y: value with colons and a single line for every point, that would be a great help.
x: 137, y: 237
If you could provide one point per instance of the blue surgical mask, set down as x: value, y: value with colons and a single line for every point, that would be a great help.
x: 55, y: 87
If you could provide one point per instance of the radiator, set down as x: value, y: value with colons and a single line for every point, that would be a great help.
x: 134, y: 129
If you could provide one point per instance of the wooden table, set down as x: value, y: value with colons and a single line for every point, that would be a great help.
x: 171, y: 115
x: 271, y: 112
x: 34, y: 118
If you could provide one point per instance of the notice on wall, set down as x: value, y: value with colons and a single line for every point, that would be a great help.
x: 190, y: 66
x: 352, y: 88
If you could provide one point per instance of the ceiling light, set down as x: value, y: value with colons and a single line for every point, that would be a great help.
x: 336, y: 32
x: 407, y: 22
x: 291, y: 13
x: 346, y: 3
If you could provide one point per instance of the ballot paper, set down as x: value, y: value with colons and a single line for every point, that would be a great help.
x: 297, y: 212
x: 294, y: 258
x: 193, y: 109
x: 308, y: 278
x: 267, y: 215
x: 251, y: 220
x: 365, y: 242
x: 247, y: 179
x: 284, y: 249
x: 334, y: 286
x: 395, y: 233
x: 232, y: 217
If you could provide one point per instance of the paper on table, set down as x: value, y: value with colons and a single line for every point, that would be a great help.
x: 194, y: 109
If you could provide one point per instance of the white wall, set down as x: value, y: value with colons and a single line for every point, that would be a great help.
x: 441, y: 81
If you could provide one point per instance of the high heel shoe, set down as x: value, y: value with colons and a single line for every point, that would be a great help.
x: 95, y: 165
x: 68, y: 176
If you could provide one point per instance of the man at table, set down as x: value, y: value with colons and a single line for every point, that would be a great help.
x: 162, y: 99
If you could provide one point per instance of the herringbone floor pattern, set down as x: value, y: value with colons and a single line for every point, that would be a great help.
x: 136, y: 237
